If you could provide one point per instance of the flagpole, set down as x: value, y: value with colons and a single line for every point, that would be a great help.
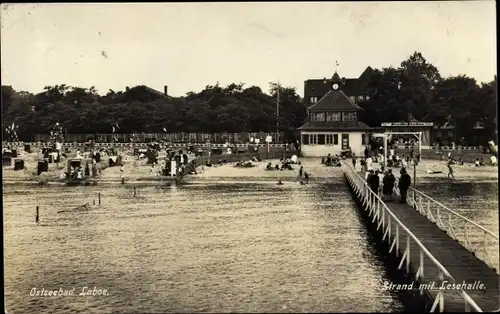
x: 278, y: 111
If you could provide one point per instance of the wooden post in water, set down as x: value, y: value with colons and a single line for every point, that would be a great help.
x: 37, y: 217
x: 99, y: 198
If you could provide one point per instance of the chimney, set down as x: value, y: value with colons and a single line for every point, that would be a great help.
x: 165, y: 90
x: 127, y: 88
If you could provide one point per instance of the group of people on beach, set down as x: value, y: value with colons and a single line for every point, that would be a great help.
x: 332, y: 161
x: 303, y: 176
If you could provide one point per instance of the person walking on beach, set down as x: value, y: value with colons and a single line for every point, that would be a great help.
x: 121, y: 173
x: 301, y: 171
x: 388, y: 181
x: 306, y: 177
x: 354, y: 161
x: 403, y: 184
x: 450, y: 170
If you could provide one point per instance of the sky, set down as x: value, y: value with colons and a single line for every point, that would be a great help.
x: 187, y: 46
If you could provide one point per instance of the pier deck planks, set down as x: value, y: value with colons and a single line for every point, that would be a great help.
x: 457, y: 260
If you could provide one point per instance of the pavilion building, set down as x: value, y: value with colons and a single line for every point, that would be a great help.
x: 411, y: 125
x: 332, y: 124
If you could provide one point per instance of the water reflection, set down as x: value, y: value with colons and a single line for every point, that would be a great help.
x: 476, y: 201
x: 226, y: 247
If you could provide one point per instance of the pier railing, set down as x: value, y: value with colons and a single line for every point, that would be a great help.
x: 457, y: 226
x: 386, y: 220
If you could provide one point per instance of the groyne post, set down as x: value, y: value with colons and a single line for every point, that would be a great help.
x: 135, y: 191
x: 37, y: 217
x: 99, y: 198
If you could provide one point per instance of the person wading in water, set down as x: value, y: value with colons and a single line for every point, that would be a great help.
x: 403, y: 184
x: 306, y: 177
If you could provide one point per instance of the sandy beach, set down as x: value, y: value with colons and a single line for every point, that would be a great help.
x: 29, y: 173
x: 467, y: 172
x: 312, y: 166
x: 138, y: 170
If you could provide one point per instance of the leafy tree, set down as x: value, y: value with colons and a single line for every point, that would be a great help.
x: 415, y: 88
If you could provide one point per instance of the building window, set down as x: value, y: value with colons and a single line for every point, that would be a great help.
x: 353, y: 98
x: 349, y: 116
x: 360, y: 98
x: 333, y: 116
x: 367, y: 97
x: 345, y: 141
x: 305, y: 139
x: 313, y: 99
x: 321, y: 139
x: 329, y: 139
x: 313, y: 139
x: 318, y: 117
x: 335, y: 139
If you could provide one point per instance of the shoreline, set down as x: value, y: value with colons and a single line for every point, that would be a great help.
x: 139, y: 174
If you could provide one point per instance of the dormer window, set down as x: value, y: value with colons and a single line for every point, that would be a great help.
x: 332, y: 116
x: 349, y: 116
x: 313, y: 100
x: 317, y: 117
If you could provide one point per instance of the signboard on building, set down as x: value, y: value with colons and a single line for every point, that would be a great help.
x: 269, y: 139
x: 400, y: 124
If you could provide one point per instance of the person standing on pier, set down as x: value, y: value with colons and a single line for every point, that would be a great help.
x: 388, y: 185
x: 373, y: 181
x: 403, y: 184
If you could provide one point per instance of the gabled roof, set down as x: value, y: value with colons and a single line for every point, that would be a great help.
x: 334, y: 100
x: 334, y: 125
x: 336, y: 77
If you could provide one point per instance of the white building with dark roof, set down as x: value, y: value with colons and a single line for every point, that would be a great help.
x: 332, y: 124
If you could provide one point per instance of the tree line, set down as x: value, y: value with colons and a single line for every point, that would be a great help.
x: 415, y: 87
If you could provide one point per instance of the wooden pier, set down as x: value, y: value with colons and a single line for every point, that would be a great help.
x: 432, y: 255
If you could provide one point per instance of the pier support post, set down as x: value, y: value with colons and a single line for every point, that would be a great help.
x: 37, y: 217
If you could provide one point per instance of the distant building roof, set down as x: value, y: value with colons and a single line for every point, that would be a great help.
x: 154, y: 91
x: 334, y: 100
x: 335, y: 125
x: 351, y: 86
